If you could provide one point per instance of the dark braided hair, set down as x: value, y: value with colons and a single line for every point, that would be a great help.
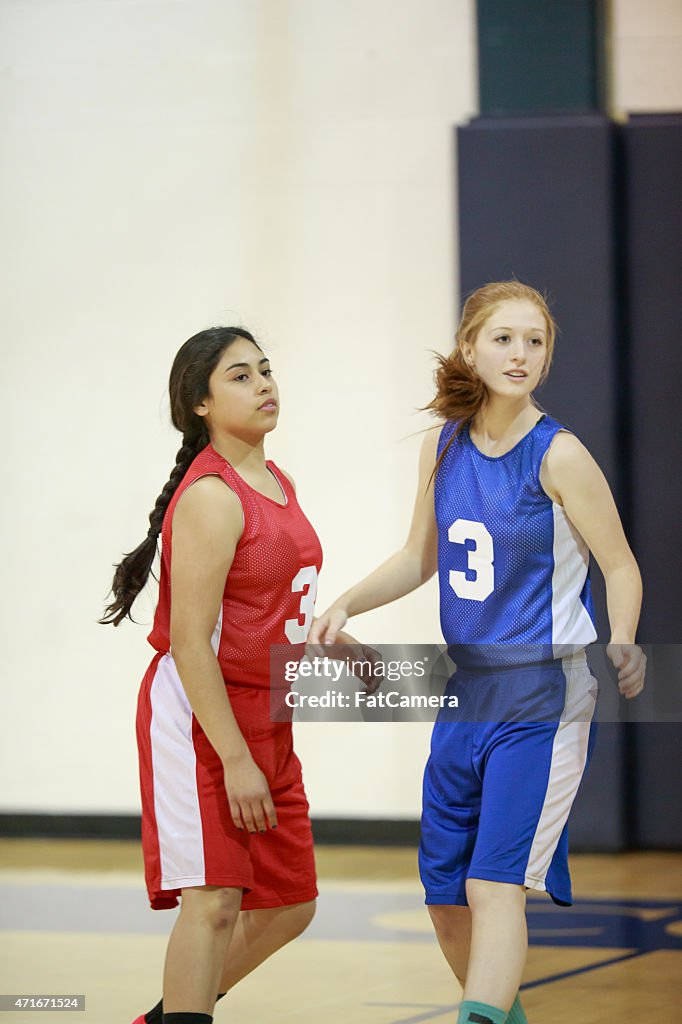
x: 188, y: 386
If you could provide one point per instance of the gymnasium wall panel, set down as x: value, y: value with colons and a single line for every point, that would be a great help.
x: 536, y: 203
x: 651, y: 151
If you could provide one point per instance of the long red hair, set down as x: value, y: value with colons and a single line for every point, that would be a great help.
x: 460, y: 392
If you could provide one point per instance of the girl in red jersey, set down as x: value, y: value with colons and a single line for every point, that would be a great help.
x: 224, y: 814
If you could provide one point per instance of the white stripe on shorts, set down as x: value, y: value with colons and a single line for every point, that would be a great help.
x: 569, y: 754
x: 176, y: 798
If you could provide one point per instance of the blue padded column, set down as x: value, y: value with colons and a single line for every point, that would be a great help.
x: 652, y: 159
x: 536, y: 202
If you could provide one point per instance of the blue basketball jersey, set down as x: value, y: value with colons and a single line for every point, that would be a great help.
x: 513, y: 570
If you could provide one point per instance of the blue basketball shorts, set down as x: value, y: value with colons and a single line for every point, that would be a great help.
x: 504, y: 769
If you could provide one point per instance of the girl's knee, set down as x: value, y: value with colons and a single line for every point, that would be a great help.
x: 451, y: 922
x: 281, y: 924
x: 300, y: 917
x: 216, y: 907
x: 483, y: 894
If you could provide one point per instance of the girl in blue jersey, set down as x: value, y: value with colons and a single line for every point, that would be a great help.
x: 508, y: 507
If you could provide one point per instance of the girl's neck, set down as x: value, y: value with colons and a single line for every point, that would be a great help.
x: 498, y: 420
x: 240, y: 453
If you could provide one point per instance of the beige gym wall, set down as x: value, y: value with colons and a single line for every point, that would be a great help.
x: 285, y: 164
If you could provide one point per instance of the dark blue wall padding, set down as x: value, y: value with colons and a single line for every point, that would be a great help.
x: 651, y: 149
x: 536, y: 57
x: 536, y: 201
x: 652, y: 152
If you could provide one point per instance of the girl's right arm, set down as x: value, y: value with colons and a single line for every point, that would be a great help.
x: 207, y: 525
x: 405, y: 570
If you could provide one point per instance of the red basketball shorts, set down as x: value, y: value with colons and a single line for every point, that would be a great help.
x: 188, y: 836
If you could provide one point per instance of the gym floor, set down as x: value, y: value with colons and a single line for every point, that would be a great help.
x: 75, y: 920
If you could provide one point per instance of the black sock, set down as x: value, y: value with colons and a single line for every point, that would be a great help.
x: 155, y: 1015
x: 187, y: 1018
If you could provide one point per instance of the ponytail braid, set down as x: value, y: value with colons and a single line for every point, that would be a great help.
x: 133, y: 571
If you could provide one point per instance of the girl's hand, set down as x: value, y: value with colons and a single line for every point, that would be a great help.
x: 248, y: 793
x: 325, y: 629
x: 363, y: 657
x: 353, y: 654
x: 630, y: 660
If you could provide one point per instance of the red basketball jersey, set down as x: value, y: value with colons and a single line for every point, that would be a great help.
x: 271, y: 587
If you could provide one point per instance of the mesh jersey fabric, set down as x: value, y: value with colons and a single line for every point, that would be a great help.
x: 188, y: 836
x: 513, y: 571
x: 268, y: 595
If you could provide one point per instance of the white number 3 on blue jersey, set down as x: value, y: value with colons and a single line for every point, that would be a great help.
x: 480, y: 560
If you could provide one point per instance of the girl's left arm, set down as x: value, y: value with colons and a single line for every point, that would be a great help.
x: 570, y: 477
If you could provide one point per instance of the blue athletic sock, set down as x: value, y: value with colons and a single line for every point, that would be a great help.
x: 516, y: 1014
x: 479, y: 1013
